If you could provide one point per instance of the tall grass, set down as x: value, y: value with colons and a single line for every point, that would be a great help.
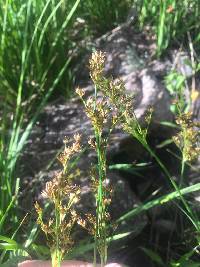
x: 104, y: 15
x: 33, y: 41
x: 171, y: 21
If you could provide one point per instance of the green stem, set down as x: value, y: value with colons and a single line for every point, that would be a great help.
x: 100, y: 216
x: 100, y: 210
x: 56, y: 257
x: 190, y: 213
x: 182, y: 171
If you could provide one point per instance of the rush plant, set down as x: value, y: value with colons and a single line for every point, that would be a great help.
x: 121, y: 104
x: 98, y: 111
x: 62, y: 194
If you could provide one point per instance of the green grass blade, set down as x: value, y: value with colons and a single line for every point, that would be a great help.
x: 66, y: 21
x: 47, y: 23
x: 10, y: 206
x: 159, y: 201
x: 41, y: 106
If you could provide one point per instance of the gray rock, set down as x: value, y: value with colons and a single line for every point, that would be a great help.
x: 155, y: 96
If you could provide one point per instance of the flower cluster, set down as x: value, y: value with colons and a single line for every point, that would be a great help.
x: 103, y: 120
x: 97, y: 111
x: 63, y: 234
x: 63, y: 194
x: 187, y: 139
x: 96, y: 66
x: 69, y: 151
x: 118, y: 100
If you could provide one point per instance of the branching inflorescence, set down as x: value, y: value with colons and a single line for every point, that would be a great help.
x: 188, y: 138
x: 102, y: 120
x: 109, y: 105
x: 63, y: 194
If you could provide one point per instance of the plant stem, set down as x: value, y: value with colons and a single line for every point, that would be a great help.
x: 189, y: 211
x: 56, y: 257
x: 100, y: 209
x: 182, y: 171
x: 100, y: 216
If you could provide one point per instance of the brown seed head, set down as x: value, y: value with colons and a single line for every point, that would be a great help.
x: 96, y: 65
x: 80, y: 92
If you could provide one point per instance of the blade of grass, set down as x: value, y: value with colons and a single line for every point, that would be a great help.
x: 159, y: 201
